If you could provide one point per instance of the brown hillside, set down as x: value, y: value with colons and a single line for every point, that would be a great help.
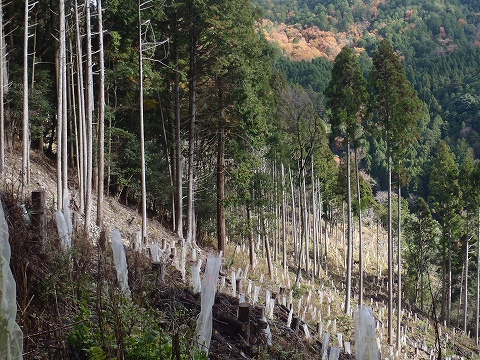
x: 309, y: 43
x: 43, y: 177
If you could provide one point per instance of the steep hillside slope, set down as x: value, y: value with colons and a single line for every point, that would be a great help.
x: 43, y: 177
x: 64, y: 306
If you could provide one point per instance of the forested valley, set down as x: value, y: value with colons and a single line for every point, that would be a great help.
x: 319, y: 160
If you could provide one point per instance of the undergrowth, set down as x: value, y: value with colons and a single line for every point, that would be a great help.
x: 70, y: 304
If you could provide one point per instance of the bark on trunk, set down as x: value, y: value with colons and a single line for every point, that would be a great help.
x: 465, y: 299
x: 251, y: 245
x: 399, y: 269
x: 192, y: 126
x: 294, y: 218
x: 349, y: 237
x: 178, y: 151
x: 267, y: 245
x: 26, y: 130
x: 3, y: 83
x: 443, y: 311
x: 63, y: 67
x: 360, y: 235
x: 82, y: 138
x: 390, y: 253
x: 449, y: 283
x: 304, y: 215
x: 477, y: 313
x: 284, y: 222
x: 89, y: 119
x: 142, y: 133
x: 101, y: 118
x: 221, y: 227
x: 314, y: 225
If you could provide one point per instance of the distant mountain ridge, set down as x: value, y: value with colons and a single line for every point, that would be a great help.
x: 438, y: 42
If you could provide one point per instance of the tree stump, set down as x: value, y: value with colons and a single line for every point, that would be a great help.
x: 159, y: 269
x: 244, y: 311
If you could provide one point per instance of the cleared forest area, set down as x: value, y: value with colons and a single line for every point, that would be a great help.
x: 70, y: 303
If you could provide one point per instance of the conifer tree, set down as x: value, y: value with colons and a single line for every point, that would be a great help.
x: 445, y: 196
x: 236, y: 66
x: 347, y: 97
x: 395, y: 110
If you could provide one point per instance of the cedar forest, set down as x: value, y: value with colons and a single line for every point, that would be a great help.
x: 184, y: 111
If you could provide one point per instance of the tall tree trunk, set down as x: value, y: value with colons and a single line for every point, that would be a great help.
x: 63, y: 74
x: 40, y: 140
x: 89, y: 120
x: 360, y: 235
x: 399, y: 267
x: 320, y: 228
x: 267, y: 244
x: 32, y: 83
x: 61, y: 118
x: 251, y: 245
x: 304, y: 215
x: 343, y: 236
x: 142, y: 132
x: 168, y: 157
x: 459, y: 304
x: 465, y: 299
x: 284, y: 221
x: 82, y: 138
x: 101, y: 118
x: 449, y: 282
x: 477, y: 313
x: 221, y: 227
x: 192, y: 125
x: 314, y: 225
x: 178, y: 147
x: 390, y: 251
x: 422, y: 279
x: 3, y: 83
x: 443, y: 311
x: 26, y: 128
x: 70, y: 91
x: 328, y: 225
x: 294, y: 218
x: 303, y: 225
x: 349, y: 237
x: 74, y: 105
x: 274, y: 203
